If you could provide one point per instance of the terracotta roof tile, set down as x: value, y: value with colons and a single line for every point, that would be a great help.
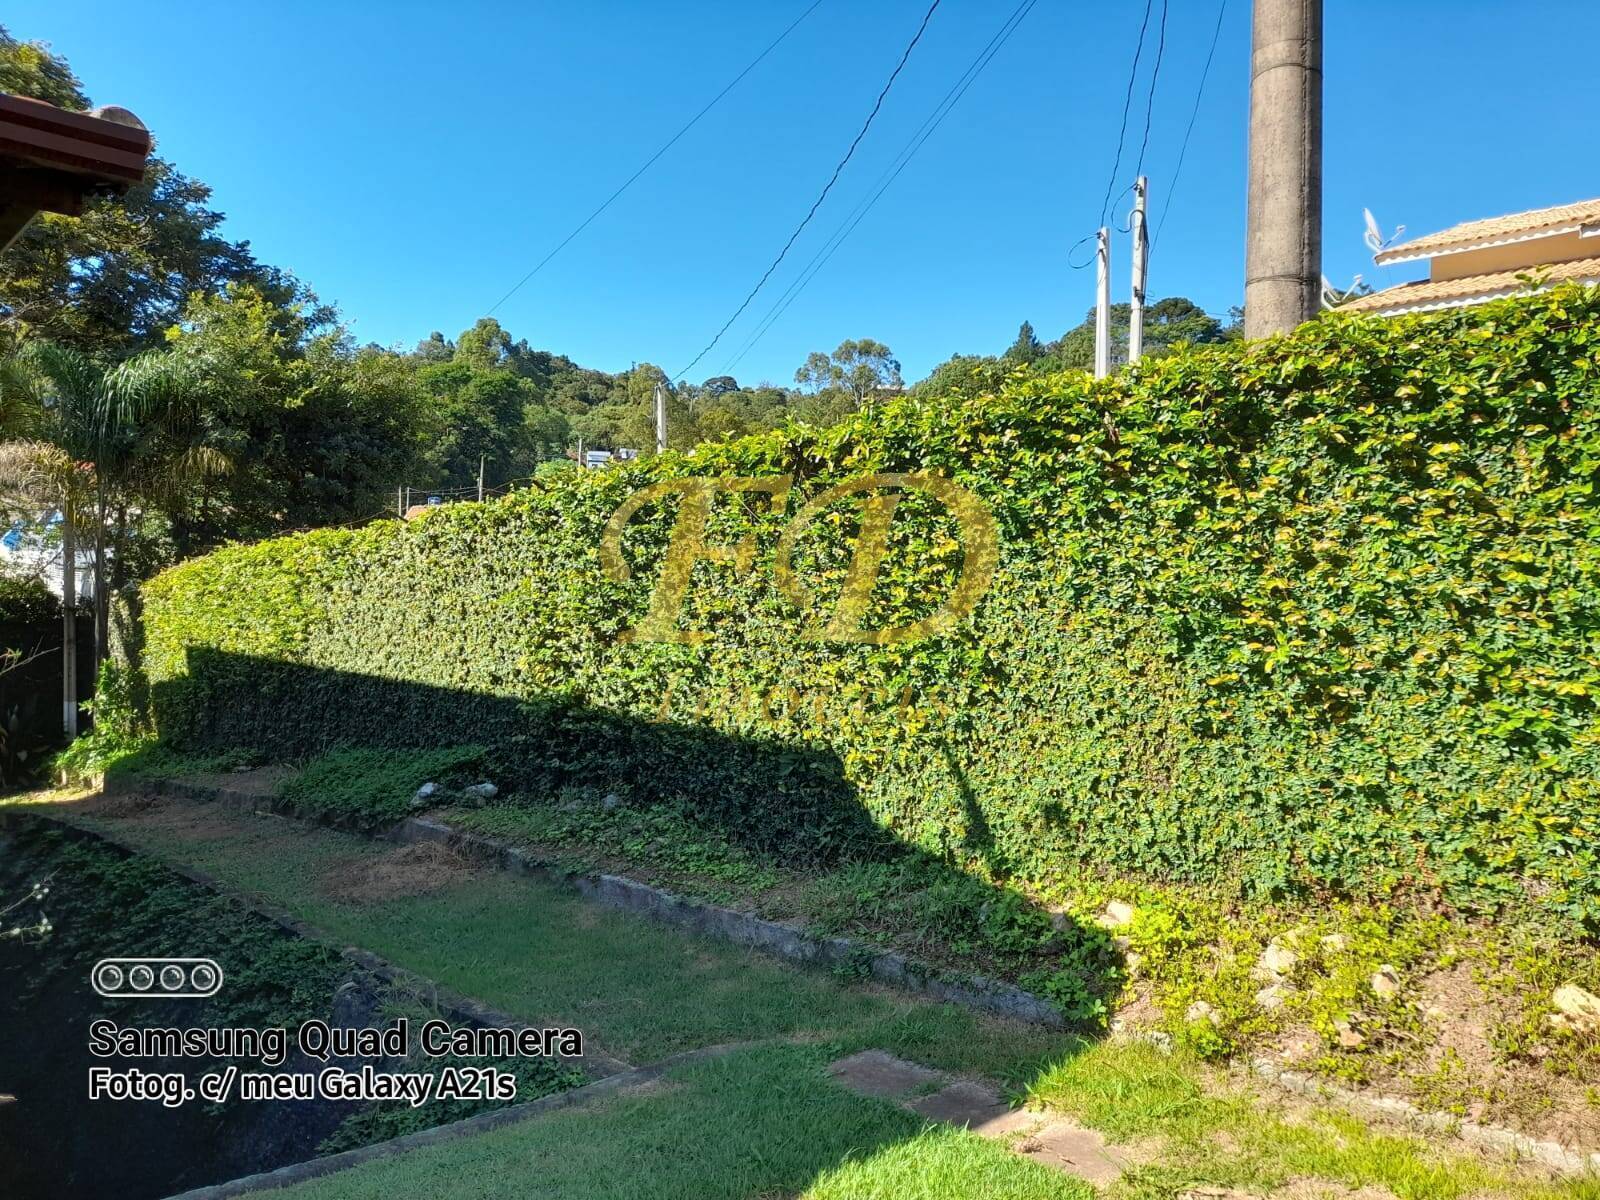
x: 1443, y: 293
x: 1495, y: 230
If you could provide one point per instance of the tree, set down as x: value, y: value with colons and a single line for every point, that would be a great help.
x: 80, y: 433
x: 1170, y: 322
x: 112, y: 279
x: 1026, y: 348
x: 858, y: 369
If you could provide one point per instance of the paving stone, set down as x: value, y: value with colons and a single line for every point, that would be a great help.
x: 1073, y: 1149
x: 877, y: 1073
x: 965, y: 1104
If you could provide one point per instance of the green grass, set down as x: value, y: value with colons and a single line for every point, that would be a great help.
x: 766, y: 1121
x: 762, y: 1122
x: 1219, y: 1138
x: 374, y: 786
x: 640, y: 990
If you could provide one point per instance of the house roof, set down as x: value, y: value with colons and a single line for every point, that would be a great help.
x: 1428, y: 294
x: 1496, y: 231
x: 107, y: 146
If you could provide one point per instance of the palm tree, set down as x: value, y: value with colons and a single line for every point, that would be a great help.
x: 80, y: 437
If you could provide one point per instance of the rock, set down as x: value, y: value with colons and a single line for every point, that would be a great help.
x: 428, y: 793
x: 1117, y: 914
x: 481, y: 792
x: 1201, y: 1011
x: 1275, y: 962
x: 1349, y: 1036
x: 1059, y: 920
x: 1579, y: 1006
x: 1335, y: 942
x: 611, y: 803
x: 1386, y: 982
x: 1271, y: 996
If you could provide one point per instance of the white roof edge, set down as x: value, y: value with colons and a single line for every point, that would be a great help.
x: 1477, y: 297
x: 1385, y: 258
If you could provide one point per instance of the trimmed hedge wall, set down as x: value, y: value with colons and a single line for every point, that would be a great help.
x: 1316, y: 613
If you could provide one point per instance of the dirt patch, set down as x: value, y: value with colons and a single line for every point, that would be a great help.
x: 1327, y: 1189
x: 409, y: 871
x: 185, y: 819
x: 258, y: 781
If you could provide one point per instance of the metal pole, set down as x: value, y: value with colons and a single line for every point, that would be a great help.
x: 1102, y: 304
x: 1283, y: 240
x: 1141, y: 267
x: 661, y: 417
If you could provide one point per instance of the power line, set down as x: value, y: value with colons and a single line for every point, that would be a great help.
x: 649, y: 162
x: 867, y: 124
x: 924, y: 132
x: 1127, y: 104
x: 1150, y: 99
x: 1172, y: 189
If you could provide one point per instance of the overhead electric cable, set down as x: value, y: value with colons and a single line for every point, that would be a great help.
x: 1172, y: 188
x: 649, y: 162
x: 1127, y: 104
x: 1150, y: 98
x: 907, y: 153
x: 866, y: 125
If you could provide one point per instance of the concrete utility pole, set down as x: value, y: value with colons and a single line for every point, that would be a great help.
x: 1283, y: 242
x: 480, y: 478
x: 1141, y: 269
x: 661, y: 417
x: 1102, y: 303
x: 69, y: 621
x: 400, y: 502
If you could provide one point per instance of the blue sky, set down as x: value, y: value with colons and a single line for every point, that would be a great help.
x: 411, y: 162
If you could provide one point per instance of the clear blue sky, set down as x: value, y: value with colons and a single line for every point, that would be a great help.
x: 412, y: 161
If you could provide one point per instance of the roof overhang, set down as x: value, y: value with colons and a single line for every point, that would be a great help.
x: 1400, y: 254
x: 53, y: 160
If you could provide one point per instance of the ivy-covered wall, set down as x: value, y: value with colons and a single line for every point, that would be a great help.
x: 1313, y: 613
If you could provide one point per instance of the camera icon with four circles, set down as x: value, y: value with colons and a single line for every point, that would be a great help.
x: 156, y: 978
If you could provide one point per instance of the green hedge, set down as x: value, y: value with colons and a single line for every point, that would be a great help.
x: 1316, y: 613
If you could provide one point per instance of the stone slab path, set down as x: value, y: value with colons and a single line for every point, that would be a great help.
x: 977, y: 1107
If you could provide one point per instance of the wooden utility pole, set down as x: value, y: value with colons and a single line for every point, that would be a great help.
x: 1141, y: 268
x: 661, y: 417
x: 1102, y: 303
x: 1283, y: 241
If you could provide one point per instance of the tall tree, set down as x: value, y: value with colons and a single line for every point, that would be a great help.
x: 114, y: 278
x: 857, y: 369
x: 80, y: 433
x: 1026, y: 348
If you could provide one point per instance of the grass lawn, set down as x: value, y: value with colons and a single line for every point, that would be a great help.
x: 762, y: 1122
x: 765, y: 1121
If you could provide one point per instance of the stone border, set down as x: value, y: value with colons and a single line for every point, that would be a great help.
x: 1392, y: 1108
x: 315, y: 1168
x: 778, y: 938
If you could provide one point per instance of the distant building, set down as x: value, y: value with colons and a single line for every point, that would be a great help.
x: 1482, y: 260
x: 29, y: 550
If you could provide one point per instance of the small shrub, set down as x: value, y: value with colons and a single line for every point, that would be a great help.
x: 368, y: 787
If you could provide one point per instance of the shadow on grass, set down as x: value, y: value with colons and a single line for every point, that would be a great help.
x: 782, y: 804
